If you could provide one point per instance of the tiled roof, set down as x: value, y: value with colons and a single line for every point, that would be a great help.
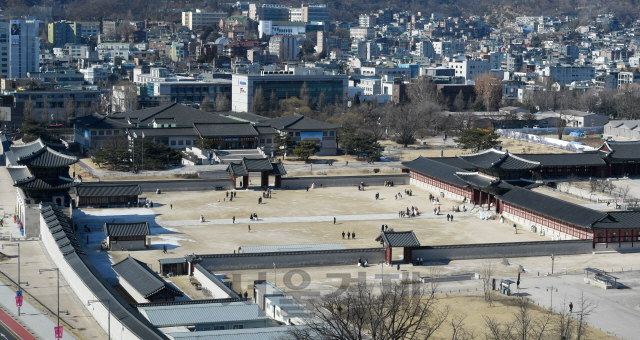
x: 476, y: 179
x: 263, y: 333
x: 172, y: 260
x: 126, y: 229
x: 19, y: 173
x: 237, y: 169
x: 107, y: 189
x: 623, y: 150
x: 161, y: 132
x: 142, y: 278
x: 210, y: 313
x: 565, y: 159
x: 46, y: 157
x: 278, y: 169
x: 619, y: 220
x: 60, y: 226
x: 291, y: 247
x: 299, y: 122
x: 236, y: 129
x: 183, y: 115
x: 215, y: 280
x: 258, y: 164
x: 400, y: 239
x: 47, y: 183
x: 430, y: 167
x: 455, y: 162
x: 500, y: 160
x: 553, y: 207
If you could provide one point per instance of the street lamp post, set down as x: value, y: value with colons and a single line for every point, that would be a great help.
x: 58, y: 273
x: 275, y: 277
x: 550, y: 289
x: 19, y: 283
x: 109, y: 314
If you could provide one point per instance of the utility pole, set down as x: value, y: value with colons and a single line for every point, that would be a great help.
x: 552, y: 260
x: 550, y: 289
x: 275, y: 277
x: 57, y: 270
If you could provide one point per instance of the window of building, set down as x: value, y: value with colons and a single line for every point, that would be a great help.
x: 93, y: 133
x: 218, y: 328
x: 187, y: 142
x: 180, y: 142
x: 109, y: 132
x: 173, y: 142
x: 237, y: 326
x: 262, y: 141
x: 269, y: 141
x: 297, y: 134
x: 324, y: 133
x: 101, y: 133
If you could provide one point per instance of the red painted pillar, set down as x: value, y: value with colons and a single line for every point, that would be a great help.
x: 234, y: 181
x: 245, y: 182
x: 388, y: 255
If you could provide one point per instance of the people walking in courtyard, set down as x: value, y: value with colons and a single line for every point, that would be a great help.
x: 343, y: 235
x: 334, y: 220
x: 164, y: 249
x: 570, y: 307
x: 348, y: 235
x: 451, y: 217
x: 353, y: 235
x: 171, y: 205
x: 249, y: 228
x: 447, y: 217
x: 260, y: 200
x: 233, y: 219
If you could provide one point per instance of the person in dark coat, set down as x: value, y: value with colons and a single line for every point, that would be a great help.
x: 343, y: 235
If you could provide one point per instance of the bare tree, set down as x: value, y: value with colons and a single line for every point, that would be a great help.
x: 527, y: 325
x: 564, y: 323
x: 69, y: 109
x: 114, y: 142
x: 304, y: 94
x: 28, y: 109
x: 399, y: 311
x: 458, y: 330
x: 406, y: 120
x: 562, y: 121
x: 373, y: 117
x: 624, y: 192
x: 459, y: 104
x: 205, y: 105
x: 489, y: 87
x: 586, y: 308
x: 222, y: 102
x: 486, y: 273
x: 258, y: 104
x: 422, y: 89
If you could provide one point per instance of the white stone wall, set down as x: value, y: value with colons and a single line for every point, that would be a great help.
x: 132, y: 291
x: 526, y: 223
x: 84, y: 294
x: 436, y: 191
x: 216, y: 292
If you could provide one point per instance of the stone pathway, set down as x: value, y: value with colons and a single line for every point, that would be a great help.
x: 301, y: 219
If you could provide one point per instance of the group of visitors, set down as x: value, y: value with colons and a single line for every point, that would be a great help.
x: 449, y: 218
x: 388, y: 184
x: 267, y: 193
x: 252, y: 217
x: 434, y: 199
x: 436, y: 211
x: 408, y: 192
x: 398, y: 195
x: 350, y: 235
x: 361, y: 264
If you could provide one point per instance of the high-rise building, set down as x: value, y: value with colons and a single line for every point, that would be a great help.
x: 5, y: 63
x: 201, y: 18
x: 315, y: 13
x: 64, y: 32
x: 268, y: 12
x: 24, y: 51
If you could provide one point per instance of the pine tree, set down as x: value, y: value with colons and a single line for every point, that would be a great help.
x: 258, y: 104
x: 304, y: 94
x: 459, y: 103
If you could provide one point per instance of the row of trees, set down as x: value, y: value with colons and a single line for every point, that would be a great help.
x: 118, y: 153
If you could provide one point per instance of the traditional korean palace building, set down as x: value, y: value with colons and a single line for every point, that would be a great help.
x: 500, y: 181
x: 40, y: 172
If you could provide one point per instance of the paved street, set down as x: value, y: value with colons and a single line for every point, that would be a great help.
x: 9, y: 328
x: 616, y: 310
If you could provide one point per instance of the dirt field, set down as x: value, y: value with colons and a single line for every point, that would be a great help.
x: 472, y: 307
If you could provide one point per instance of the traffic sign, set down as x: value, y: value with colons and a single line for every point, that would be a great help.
x: 58, y: 330
x: 18, y: 301
x: 19, y: 293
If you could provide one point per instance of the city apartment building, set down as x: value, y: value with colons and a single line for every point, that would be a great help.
x: 199, y: 17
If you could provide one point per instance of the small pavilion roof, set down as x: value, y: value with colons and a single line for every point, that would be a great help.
x: 497, y: 159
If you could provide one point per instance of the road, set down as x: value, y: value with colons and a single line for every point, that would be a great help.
x: 11, y: 330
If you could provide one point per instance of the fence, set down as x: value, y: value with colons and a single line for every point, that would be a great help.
x: 594, y: 130
x: 536, y: 139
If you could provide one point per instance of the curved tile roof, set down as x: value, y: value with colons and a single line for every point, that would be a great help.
x: 493, y: 158
x: 142, y: 278
x: 46, y: 157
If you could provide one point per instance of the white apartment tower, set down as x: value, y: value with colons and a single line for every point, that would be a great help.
x: 24, y: 48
